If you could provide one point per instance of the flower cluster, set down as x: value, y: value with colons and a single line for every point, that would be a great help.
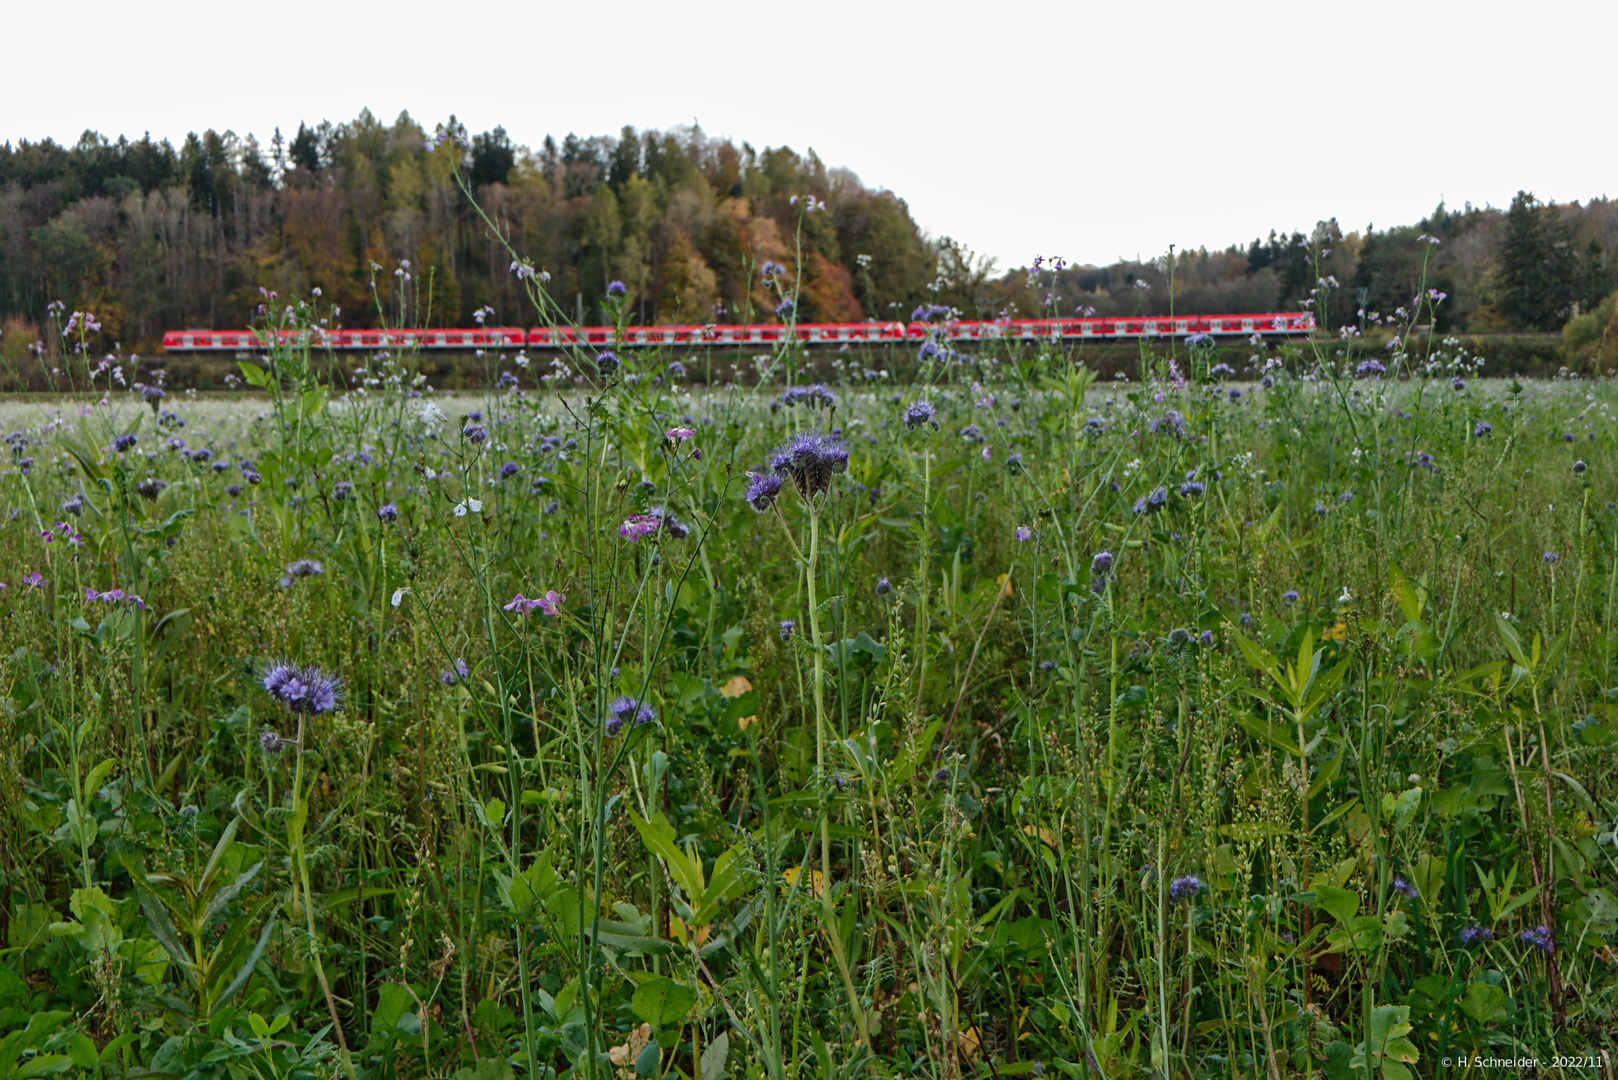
x: 921, y: 413
x: 628, y: 710
x: 810, y: 461
x: 815, y: 395
x: 306, y: 690
x: 1184, y: 888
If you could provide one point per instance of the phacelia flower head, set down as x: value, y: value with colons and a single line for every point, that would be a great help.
x: 456, y: 673
x: 1024, y: 533
x: 616, y: 290
x: 1290, y: 596
x: 883, y: 587
x: 1540, y: 937
x: 1483, y: 430
x: 305, y: 690
x: 1101, y: 563
x: 787, y: 627
x: 625, y: 710
x: 388, y: 512
x: 1183, y: 888
x: 811, y: 460
x: 921, y: 414
x: 1476, y: 935
x: 1405, y: 889
x: 607, y: 362
x: 762, y: 489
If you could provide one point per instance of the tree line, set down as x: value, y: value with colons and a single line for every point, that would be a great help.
x: 151, y: 237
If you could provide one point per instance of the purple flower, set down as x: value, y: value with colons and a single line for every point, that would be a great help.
x: 1579, y: 466
x: 306, y: 690
x: 1473, y: 935
x: 388, y: 512
x: 1405, y: 889
x: 551, y: 602
x: 457, y: 673
x: 1024, y: 533
x: 1101, y: 562
x: 1290, y: 596
x: 637, y: 526
x: 616, y: 290
x: 305, y: 568
x: 1552, y: 558
x: 476, y: 434
x: 787, y: 627
x: 521, y: 605
x: 811, y: 461
x: 1183, y: 888
x: 607, y: 362
x: 270, y: 742
x: 882, y: 587
x: 509, y: 469
x: 920, y: 412
x: 124, y: 442
x: 1483, y: 430
x: 762, y: 488
x: 1539, y: 937
x: 625, y: 710
x: 678, y: 434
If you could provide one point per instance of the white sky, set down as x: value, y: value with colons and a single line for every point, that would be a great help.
x: 1084, y: 130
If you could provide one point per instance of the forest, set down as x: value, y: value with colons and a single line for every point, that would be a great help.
x: 152, y: 238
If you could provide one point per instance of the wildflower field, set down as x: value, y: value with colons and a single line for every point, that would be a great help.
x: 1250, y: 717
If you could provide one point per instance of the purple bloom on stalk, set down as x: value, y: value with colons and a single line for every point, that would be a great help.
x: 811, y: 460
x: 920, y: 413
x: 1290, y: 596
x: 308, y: 690
x: 1473, y: 935
x: 1024, y: 533
x: 551, y: 602
x: 1552, y: 558
x: 509, y: 469
x: 1101, y: 563
x: 1183, y: 888
x: 678, y: 434
x: 787, y: 627
x: 388, y: 512
x: 607, y: 362
x: 616, y: 290
x: 270, y: 742
x: 457, y: 673
x: 883, y: 587
x: 1483, y: 430
x: 637, y: 526
x: 784, y: 308
x: 1405, y: 889
x: 762, y: 488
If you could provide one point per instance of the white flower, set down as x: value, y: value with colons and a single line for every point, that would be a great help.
x: 399, y: 595
x: 466, y: 506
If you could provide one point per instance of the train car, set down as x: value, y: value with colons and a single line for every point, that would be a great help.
x: 761, y: 334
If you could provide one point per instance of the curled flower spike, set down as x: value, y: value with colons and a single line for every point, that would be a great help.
x: 1183, y: 888
x: 810, y: 461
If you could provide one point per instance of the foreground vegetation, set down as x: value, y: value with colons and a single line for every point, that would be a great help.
x: 1252, y: 716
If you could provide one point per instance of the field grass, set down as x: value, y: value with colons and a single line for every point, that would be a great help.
x: 1247, y: 717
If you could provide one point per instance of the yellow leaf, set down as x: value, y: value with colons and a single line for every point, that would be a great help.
x: 1006, y: 591
x: 1339, y: 632
x: 736, y: 687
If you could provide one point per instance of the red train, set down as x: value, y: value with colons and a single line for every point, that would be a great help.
x: 506, y: 337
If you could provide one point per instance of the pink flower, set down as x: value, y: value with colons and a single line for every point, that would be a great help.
x: 551, y: 602
x: 36, y: 579
x: 522, y: 605
x: 678, y: 433
x: 1024, y: 532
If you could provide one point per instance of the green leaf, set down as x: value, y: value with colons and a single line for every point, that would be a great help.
x: 713, y: 1057
x: 662, y: 1001
x: 1484, y: 1002
x: 1340, y: 904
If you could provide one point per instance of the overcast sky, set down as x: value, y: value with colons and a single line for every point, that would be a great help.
x: 1082, y: 130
